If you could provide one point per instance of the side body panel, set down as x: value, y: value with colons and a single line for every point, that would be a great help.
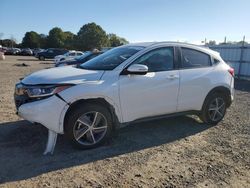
x: 148, y: 95
x: 195, y: 84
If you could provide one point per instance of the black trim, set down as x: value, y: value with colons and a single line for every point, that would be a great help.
x: 151, y: 118
x: 126, y: 72
x: 62, y: 98
x: 178, y: 56
x: 224, y: 90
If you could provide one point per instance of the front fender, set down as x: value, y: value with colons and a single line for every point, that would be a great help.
x: 93, y: 90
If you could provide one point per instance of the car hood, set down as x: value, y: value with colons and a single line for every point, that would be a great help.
x: 60, y: 75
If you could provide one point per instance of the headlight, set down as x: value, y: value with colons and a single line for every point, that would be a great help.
x: 44, y: 91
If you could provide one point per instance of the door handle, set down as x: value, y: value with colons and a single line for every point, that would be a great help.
x: 172, y: 76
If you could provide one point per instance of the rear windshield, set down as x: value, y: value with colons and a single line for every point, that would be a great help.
x: 111, y: 59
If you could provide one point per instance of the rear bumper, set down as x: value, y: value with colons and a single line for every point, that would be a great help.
x: 48, y: 112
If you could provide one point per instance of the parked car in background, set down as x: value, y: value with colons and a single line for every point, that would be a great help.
x: 50, y: 53
x: 37, y: 50
x: 127, y: 84
x: 3, y: 49
x: 79, y: 60
x: 12, y: 51
x: 69, y: 55
x: 26, y: 51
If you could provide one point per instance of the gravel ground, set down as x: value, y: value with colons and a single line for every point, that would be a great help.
x: 174, y: 152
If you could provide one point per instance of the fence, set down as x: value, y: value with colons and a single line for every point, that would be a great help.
x: 237, y: 56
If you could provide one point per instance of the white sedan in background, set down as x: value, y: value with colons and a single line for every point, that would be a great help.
x: 67, y: 56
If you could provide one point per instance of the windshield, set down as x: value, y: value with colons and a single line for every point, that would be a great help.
x: 67, y: 53
x: 111, y: 59
x: 86, y: 54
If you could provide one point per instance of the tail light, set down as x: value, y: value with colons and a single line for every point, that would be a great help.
x: 231, y: 71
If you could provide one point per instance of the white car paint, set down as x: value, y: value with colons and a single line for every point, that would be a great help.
x: 67, y: 56
x: 61, y: 75
x: 142, y: 95
x: 132, y: 96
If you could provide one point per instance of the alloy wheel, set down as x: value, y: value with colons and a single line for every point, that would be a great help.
x: 90, y: 128
x: 217, y: 109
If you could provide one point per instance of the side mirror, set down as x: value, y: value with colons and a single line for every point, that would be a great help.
x: 137, y: 69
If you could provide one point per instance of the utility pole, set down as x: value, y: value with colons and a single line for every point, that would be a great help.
x: 241, y: 56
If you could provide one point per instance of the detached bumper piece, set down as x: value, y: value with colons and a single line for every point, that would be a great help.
x: 51, y: 142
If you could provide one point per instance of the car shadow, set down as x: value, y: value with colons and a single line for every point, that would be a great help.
x: 47, y: 63
x: 28, y: 59
x: 22, y: 144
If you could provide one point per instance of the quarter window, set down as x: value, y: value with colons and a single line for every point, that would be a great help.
x: 215, y: 61
x: 194, y: 59
x: 157, y: 60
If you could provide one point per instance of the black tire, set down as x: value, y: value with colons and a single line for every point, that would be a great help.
x: 42, y: 58
x: 71, y: 126
x: 208, y: 114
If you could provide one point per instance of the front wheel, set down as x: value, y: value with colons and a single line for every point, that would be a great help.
x: 89, y: 126
x: 214, y: 109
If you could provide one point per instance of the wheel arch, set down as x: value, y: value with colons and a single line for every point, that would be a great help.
x: 222, y: 90
x: 99, y: 101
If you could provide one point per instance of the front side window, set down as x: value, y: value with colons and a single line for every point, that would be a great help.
x: 194, y: 59
x: 111, y: 59
x: 161, y: 59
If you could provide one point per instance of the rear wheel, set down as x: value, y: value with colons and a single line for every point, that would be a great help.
x: 89, y: 126
x: 214, y: 108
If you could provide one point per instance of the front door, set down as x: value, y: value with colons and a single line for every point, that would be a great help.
x: 154, y: 93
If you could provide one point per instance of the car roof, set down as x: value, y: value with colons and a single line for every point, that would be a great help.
x: 180, y: 44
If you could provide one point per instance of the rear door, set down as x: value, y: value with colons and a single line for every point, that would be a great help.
x: 195, y: 78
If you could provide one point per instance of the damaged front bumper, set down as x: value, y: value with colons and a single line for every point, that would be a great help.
x: 48, y: 112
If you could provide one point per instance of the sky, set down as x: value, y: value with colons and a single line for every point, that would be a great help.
x: 136, y: 20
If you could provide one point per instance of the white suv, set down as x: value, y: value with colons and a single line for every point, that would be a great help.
x: 130, y: 83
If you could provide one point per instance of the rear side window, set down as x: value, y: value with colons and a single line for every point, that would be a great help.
x: 194, y: 59
x: 161, y: 59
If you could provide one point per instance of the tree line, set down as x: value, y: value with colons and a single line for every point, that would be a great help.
x: 89, y: 36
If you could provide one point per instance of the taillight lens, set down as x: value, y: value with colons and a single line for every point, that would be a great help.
x: 231, y: 71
